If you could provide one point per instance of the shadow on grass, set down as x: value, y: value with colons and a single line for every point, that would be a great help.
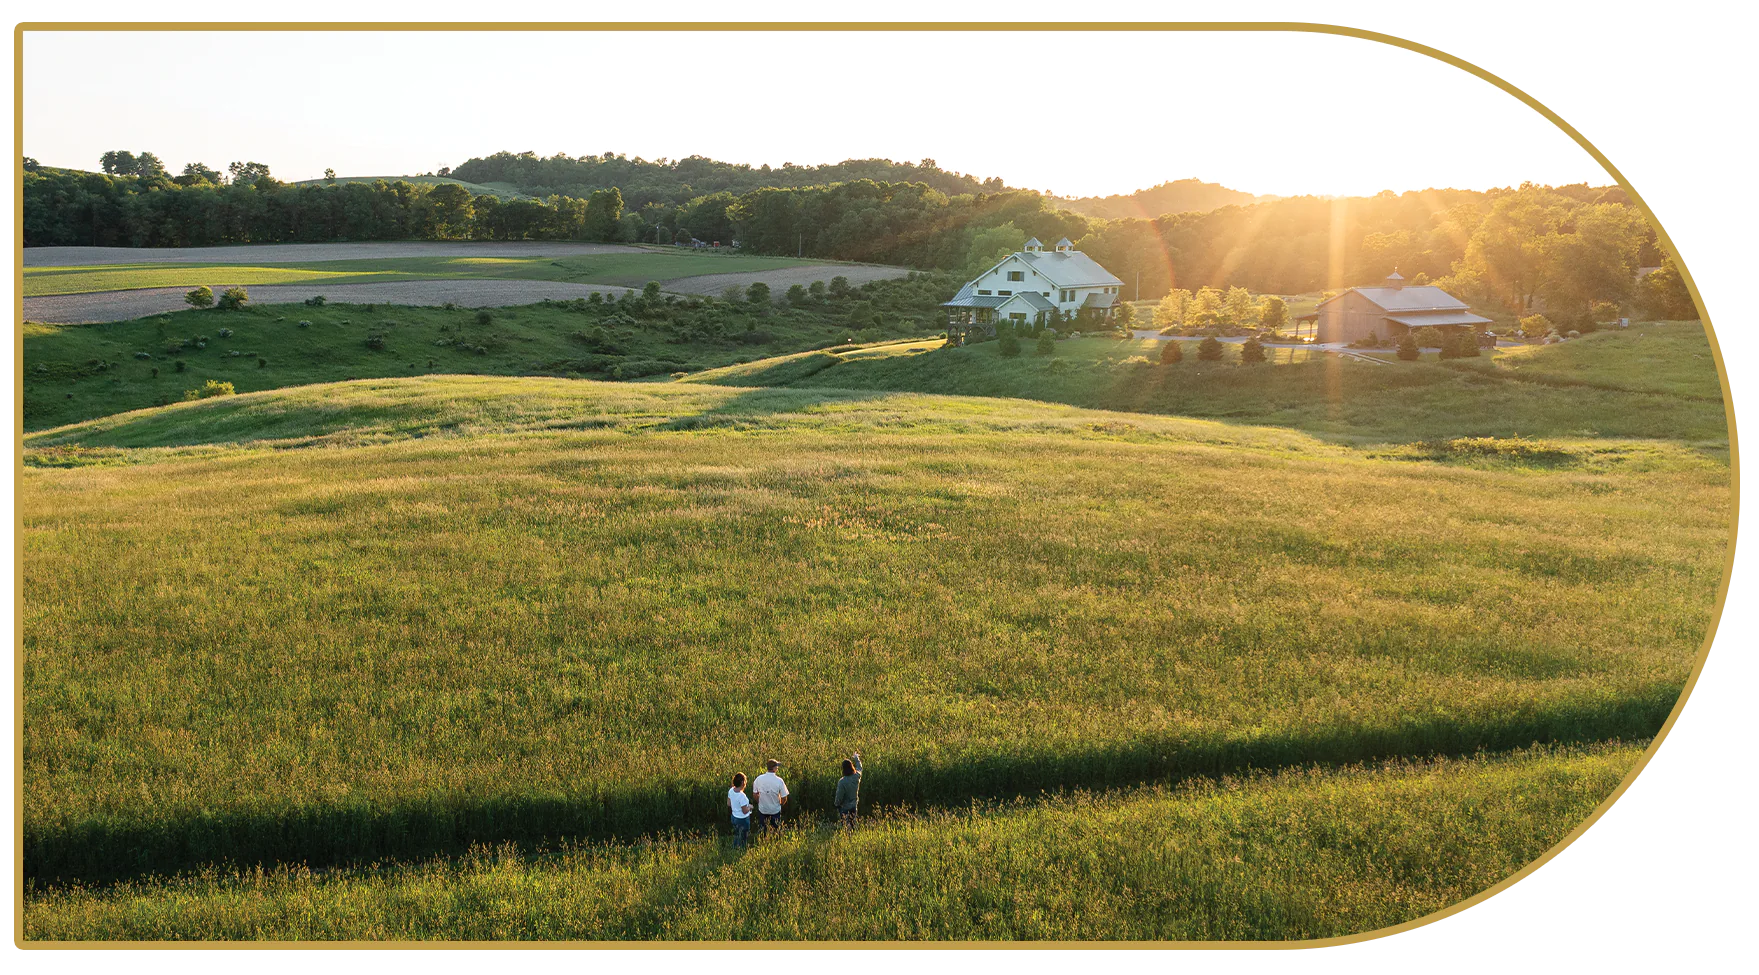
x: 751, y: 407
x: 103, y: 850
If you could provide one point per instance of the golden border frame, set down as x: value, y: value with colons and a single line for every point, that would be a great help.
x: 829, y: 27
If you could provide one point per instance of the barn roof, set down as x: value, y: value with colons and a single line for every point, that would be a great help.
x: 1069, y: 269
x: 1438, y: 318
x: 1033, y: 298
x: 1421, y: 297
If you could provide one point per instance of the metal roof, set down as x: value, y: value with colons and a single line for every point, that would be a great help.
x: 1033, y: 298
x: 1436, y: 318
x: 963, y: 300
x: 1420, y: 297
x: 1097, y: 300
x: 1069, y: 269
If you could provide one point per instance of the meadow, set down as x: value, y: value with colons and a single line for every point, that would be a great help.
x: 396, y: 618
x: 623, y: 269
x: 1297, y: 855
x: 77, y: 372
x: 1657, y: 382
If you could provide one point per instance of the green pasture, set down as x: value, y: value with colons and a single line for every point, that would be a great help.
x: 505, y: 191
x: 77, y: 372
x: 622, y: 269
x: 1669, y: 391
x: 395, y: 618
x: 1302, y: 854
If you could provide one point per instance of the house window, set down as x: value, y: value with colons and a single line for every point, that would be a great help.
x: 1018, y: 316
x: 982, y: 292
x: 1016, y: 275
x: 1004, y: 292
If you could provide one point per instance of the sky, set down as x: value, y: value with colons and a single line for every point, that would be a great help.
x: 1075, y: 114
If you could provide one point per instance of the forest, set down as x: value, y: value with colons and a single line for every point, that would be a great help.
x: 1567, y: 249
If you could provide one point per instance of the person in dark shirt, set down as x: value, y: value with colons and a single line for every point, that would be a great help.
x: 849, y: 790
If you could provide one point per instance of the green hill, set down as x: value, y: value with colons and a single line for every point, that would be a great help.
x: 505, y: 191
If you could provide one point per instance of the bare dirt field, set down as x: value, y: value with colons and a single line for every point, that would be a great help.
x: 302, y: 253
x: 115, y: 306
x: 781, y: 278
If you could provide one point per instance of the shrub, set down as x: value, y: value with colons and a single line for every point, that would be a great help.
x: 210, y: 389
x: 758, y: 294
x: 317, y: 301
x: 143, y: 355
x: 233, y: 299
x: 651, y: 291
x: 225, y: 333
x: 1009, y: 345
x: 1603, y: 311
x: 201, y: 297
x: 1046, y: 344
x: 1251, y: 352
x: 1408, y: 348
x: 484, y: 316
x: 180, y: 365
x: 304, y: 323
x: 1572, y: 333
x: 1535, y: 326
x: 1171, y: 351
x: 262, y: 363
x: 155, y: 372
x: 1209, y: 350
x: 1468, y: 344
x: 376, y: 341
x: 1429, y: 337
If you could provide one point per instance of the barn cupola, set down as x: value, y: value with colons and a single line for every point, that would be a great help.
x: 1063, y: 246
x: 1034, y: 245
x: 1394, y: 280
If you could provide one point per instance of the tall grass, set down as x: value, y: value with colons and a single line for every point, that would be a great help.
x: 1602, y: 386
x: 1303, y: 854
x: 410, y: 641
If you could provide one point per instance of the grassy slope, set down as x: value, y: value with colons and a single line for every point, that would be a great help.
x: 505, y: 191
x: 1298, y: 855
x: 630, y: 270
x: 1539, y: 393
x: 76, y: 372
x: 519, y: 608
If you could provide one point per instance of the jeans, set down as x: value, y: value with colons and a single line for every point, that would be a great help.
x: 741, y: 831
x: 848, y: 817
x: 770, y: 820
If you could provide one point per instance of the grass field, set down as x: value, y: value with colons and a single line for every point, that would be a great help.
x: 621, y: 269
x: 77, y: 372
x: 509, y: 609
x: 1296, y: 855
x: 1660, y: 385
x: 506, y: 191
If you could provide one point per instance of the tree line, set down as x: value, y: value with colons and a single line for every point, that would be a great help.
x: 1564, y: 250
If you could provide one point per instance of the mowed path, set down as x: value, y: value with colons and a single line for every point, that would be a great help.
x: 116, y: 306
x: 782, y: 278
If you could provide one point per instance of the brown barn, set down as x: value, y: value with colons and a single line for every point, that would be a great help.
x: 1389, y: 311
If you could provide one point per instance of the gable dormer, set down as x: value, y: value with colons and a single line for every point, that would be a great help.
x: 1064, y: 246
x: 1034, y: 245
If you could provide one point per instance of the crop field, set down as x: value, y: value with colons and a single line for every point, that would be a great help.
x: 1296, y: 855
x: 388, y: 620
x: 626, y: 269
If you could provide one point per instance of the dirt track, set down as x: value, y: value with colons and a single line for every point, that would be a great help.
x: 115, y: 306
x: 295, y: 253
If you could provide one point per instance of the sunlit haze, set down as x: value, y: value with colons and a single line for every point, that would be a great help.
x: 1076, y: 114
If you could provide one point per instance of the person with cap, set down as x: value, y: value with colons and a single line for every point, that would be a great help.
x: 849, y: 790
x: 772, y: 795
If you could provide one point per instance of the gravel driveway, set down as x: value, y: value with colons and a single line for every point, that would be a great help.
x: 295, y: 253
x: 115, y: 306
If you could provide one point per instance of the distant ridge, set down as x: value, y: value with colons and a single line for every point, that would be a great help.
x: 1177, y: 196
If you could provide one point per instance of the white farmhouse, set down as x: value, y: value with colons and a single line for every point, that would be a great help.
x: 1031, y: 286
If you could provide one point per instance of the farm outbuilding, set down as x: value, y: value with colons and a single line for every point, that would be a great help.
x: 1390, y: 311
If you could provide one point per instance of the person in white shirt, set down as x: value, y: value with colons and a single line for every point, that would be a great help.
x: 772, y: 795
x: 741, y: 807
